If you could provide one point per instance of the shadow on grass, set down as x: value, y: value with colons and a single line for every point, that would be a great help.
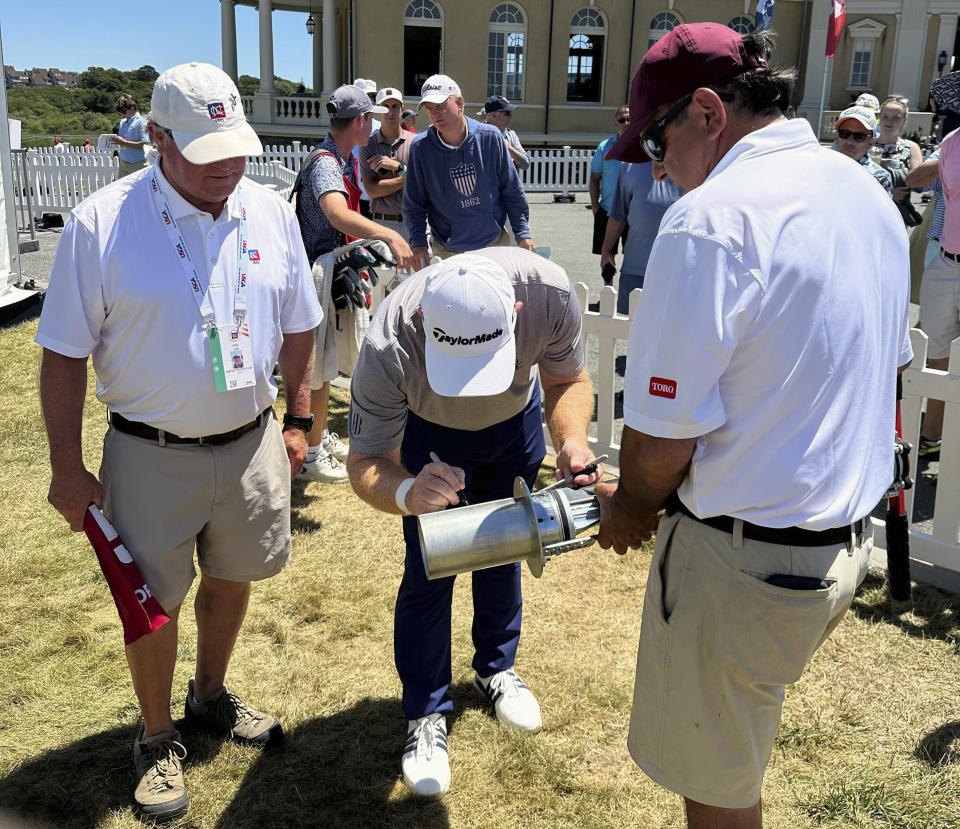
x: 941, y: 746
x: 931, y: 613
x: 338, y: 771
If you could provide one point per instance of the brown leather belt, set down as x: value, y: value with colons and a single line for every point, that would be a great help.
x: 161, y: 437
x: 788, y: 536
x: 388, y: 217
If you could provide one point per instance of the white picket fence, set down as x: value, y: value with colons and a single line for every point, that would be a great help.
x: 941, y: 547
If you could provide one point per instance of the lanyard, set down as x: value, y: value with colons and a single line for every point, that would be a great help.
x: 186, y: 261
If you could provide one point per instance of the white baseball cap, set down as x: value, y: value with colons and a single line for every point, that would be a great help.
x: 861, y: 115
x: 869, y: 101
x: 469, y: 316
x: 436, y: 89
x: 389, y: 93
x: 366, y: 85
x: 200, y: 105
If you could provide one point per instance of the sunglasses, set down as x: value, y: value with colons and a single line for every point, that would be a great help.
x: 623, y: 120
x: 652, y: 141
x: 856, y: 136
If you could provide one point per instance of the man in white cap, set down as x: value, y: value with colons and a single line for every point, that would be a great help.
x: 445, y: 400
x: 189, y: 260
x: 328, y: 208
x: 383, y: 162
x: 855, y: 129
x: 461, y: 180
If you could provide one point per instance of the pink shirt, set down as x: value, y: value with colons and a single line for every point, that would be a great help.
x: 950, y: 179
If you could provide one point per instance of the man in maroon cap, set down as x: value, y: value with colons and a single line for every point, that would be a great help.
x: 758, y: 409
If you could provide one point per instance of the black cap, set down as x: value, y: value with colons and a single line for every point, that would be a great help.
x: 495, y: 103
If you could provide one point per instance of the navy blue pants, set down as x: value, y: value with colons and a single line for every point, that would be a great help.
x: 491, y: 458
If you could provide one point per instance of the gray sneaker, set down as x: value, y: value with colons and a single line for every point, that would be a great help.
x: 160, y: 793
x: 326, y: 469
x: 224, y: 711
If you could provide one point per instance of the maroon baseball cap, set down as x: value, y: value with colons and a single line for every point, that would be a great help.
x: 684, y: 59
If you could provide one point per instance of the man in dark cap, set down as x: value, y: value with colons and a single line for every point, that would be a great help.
x: 499, y: 111
x: 745, y: 411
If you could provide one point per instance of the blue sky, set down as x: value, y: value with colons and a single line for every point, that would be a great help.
x: 75, y: 34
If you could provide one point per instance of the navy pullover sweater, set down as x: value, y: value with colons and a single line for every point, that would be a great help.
x: 465, y: 193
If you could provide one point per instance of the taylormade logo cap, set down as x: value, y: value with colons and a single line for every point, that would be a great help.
x: 469, y: 316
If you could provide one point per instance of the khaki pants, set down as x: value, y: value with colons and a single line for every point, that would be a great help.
x: 441, y: 252
x: 127, y: 167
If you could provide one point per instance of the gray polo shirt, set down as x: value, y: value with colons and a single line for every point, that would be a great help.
x: 390, y: 377
x: 391, y: 205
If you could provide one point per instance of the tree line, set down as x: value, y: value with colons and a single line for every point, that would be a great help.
x: 88, y: 110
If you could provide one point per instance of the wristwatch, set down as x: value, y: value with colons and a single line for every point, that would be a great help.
x: 402, y: 170
x: 297, y: 422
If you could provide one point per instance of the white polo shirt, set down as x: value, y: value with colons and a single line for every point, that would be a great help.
x: 119, y: 293
x: 771, y: 333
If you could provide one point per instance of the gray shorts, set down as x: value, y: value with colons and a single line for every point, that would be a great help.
x: 231, y: 503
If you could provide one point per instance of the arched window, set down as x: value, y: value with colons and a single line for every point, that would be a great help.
x: 507, y: 35
x: 660, y: 25
x: 422, y: 44
x: 585, y: 57
x: 741, y: 25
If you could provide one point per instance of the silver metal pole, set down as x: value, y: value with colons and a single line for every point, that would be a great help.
x: 823, y: 95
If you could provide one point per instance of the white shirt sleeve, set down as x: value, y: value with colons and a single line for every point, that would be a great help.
x: 73, y: 309
x: 299, y: 308
x: 698, y: 302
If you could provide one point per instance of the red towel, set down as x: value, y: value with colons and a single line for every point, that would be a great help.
x: 139, y: 611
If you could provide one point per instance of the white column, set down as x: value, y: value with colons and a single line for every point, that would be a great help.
x: 317, y: 38
x: 911, y: 34
x: 329, y: 46
x: 266, y: 45
x: 816, y: 59
x: 948, y: 31
x: 228, y: 37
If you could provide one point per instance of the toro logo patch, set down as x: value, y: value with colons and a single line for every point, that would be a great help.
x: 662, y: 387
x: 217, y: 110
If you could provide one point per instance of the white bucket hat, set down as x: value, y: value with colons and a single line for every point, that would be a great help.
x: 201, y: 106
x: 469, y: 316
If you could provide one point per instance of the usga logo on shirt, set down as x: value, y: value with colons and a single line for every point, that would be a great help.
x: 254, y: 255
x: 662, y: 387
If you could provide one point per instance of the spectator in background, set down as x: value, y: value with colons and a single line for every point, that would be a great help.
x: 498, y: 111
x: 409, y: 120
x: 898, y: 154
x: 87, y: 145
x: 461, y: 180
x: 639, y: 201
x: 603, y: 181
x: 58, y: 145
x: 940, y: 288
x: 131, y: 136
x: 370, y: 87
x: 855, y: 129
x: 383, y: 163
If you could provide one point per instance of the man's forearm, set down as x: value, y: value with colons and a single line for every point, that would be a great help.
x: 63, y: 389
x: 296, y: 362
x: 383, y: 187
x: 614, y: 229
x: 594, y: 190
x: 650, y: 469
x: 375, y: 478
x: 568, y: 406
x: 923, y: 174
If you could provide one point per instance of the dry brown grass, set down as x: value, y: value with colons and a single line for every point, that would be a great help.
x: 870, y: 736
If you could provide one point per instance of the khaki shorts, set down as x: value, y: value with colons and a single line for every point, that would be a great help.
x: 325, y: 334
x: 231, y: 503
x: 940, y: 305
x: 127, y: 167
x: 717, y: 646
x: 441, y: 252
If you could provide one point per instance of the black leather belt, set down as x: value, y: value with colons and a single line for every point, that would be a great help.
x: 953, y: 257
x: 787, y: 536
x: 388, y: 217
x: 142, y: 430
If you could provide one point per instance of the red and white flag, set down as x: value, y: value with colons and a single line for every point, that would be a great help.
x: 139, y: 611
x: 838, y: 19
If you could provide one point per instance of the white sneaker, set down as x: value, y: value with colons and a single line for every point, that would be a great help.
x: 326, y: 469
x: 426, y: 767
x: 512, y: 701
x: 336, y: 447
